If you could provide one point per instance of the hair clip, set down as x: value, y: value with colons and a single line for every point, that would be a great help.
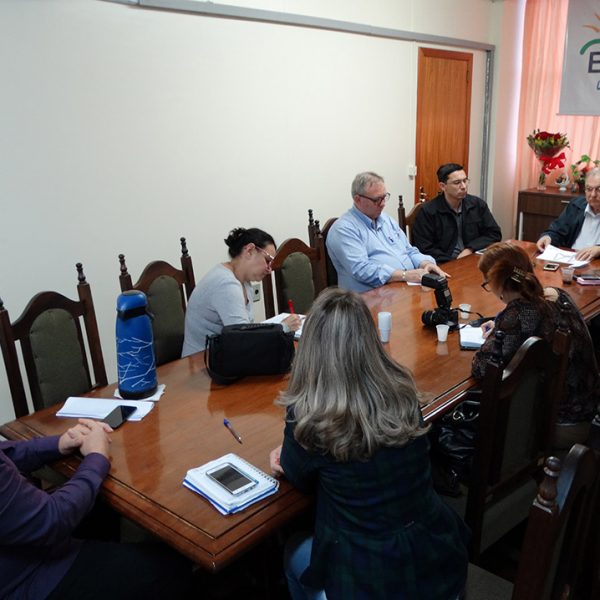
x: 518, y: 275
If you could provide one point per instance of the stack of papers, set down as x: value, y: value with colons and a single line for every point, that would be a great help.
x: 224, y: 501
x: 471, y: 337
x: 554, y: 254
x: 98, y: 408
x: 281, y: 317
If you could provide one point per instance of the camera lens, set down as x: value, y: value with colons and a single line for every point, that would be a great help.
x: 438, y: 316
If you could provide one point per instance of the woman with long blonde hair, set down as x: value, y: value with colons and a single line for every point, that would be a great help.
x: 355, y: 435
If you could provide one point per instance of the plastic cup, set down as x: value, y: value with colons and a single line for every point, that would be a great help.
x: 464, y: 310
x: 567, y: 274
x: 384, y: 321
x: 442, y: 332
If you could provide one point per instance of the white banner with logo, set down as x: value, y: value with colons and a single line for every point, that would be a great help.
x: 580, y: 89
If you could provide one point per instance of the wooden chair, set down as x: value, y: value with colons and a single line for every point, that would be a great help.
x: 168, y: 290
x: 314, y: 231
x: 553, y: 554
x: 407, y: 222
x: 518, y: 406
x: 300, y: 276
x: 53, y: 348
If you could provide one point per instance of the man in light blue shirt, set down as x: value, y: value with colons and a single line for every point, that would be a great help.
x: 368, y: 249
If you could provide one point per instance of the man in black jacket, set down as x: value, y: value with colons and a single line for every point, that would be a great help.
x: 578, y: 226
x: 454, y: 224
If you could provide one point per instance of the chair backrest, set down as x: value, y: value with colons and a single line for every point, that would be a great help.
x: 53, y: 349
x: 409, y: 220
x: 553, y: 551
x: 516, y: 424
x: 300, y: 276
x: 314, y: 231
x: 168, y: 289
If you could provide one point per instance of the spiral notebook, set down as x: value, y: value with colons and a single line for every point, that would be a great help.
x: 224, y: 501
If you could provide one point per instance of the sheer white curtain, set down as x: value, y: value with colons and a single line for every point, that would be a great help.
x: 543, y: 48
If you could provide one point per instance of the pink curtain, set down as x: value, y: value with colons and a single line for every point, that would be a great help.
x: 543, y: 48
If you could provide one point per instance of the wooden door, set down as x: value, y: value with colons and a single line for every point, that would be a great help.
x: 443, y: 114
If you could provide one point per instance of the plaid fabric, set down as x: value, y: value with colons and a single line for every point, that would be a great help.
x: 381, y: 531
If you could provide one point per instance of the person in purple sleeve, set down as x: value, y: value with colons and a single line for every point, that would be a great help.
x: 39, y: 558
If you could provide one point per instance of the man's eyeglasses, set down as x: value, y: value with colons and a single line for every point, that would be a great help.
x: 377, y: 200
x: 591, y: 189
x: 267, y: 256
x: 485, y: 285
x: 458, y: 181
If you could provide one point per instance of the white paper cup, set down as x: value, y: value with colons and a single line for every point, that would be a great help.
x: 384, y: 321
x: 567, y: 274
x: 442, y: 332
x: 464, y: 310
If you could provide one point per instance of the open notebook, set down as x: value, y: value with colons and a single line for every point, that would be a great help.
x: 279, y: 318
x: 471, y: 337
x: 224, y: 501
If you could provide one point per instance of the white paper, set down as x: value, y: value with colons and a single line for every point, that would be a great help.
x: 160, y: 390
x: 554, y: 254
x: 98, y: 408
x: 282, y: 317
x: 471, y: 337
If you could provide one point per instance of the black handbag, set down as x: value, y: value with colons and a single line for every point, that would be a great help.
x: 248, y: 349
x: 453, y: 441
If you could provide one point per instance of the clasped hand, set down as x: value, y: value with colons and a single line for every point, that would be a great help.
x: 87, y: 436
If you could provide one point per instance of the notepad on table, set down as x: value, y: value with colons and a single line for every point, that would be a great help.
x: 98, y: 408
x: 281, y: 317
x: 471, y: 338
x: 224, y: 501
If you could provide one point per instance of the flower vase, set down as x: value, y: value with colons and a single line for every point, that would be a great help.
x: 542, y: 177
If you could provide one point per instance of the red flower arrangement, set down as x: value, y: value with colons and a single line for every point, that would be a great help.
x: 546, y: 147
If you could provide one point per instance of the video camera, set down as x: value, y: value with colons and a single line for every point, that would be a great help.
x: 443, y: 314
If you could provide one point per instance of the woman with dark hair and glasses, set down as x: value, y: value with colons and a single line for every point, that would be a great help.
x: 354, y: 433
x: 224, y: 295
x: 534, y: 310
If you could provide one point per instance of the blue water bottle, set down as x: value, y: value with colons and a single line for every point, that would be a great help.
x: 136, y: 365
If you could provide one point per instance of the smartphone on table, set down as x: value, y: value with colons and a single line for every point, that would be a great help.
x: 231, y: 478
x: 119, y: 415
x: 551, y: 266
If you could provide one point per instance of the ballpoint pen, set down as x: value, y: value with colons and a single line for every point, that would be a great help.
x: 233, y: 432
x: 291, y: 306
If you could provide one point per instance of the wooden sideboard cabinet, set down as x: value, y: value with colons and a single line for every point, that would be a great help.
x: 536, y: 209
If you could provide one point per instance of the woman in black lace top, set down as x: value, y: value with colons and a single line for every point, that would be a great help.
x: 533, y: 310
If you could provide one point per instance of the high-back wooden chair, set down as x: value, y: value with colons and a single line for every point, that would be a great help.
x: 314, y: 231
x: 300, y: 276
x: 407, y: 222
x: 168, y: 290
x: 53, y: 348
x: 553, y: 555
x: 518, y: 406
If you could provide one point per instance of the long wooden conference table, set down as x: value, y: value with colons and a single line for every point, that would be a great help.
x: 185, y: 428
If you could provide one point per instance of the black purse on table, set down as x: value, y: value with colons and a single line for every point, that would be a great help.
x: 248, y: 349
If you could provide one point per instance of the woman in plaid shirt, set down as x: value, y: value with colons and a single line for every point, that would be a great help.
x: 354, y: 434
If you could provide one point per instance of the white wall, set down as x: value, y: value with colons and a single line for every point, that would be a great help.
x: 123, y: 129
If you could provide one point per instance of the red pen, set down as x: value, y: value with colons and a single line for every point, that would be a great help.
x: 291, y: 306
